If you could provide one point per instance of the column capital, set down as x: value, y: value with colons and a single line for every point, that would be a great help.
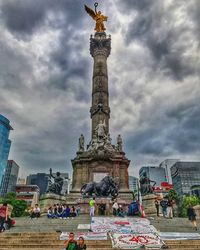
x: 100, y: 44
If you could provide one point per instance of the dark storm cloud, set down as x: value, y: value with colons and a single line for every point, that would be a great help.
x: 46, y: 72
x: 25, y: 16
x: 151, y: 27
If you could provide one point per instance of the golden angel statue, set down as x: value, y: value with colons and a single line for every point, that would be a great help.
x: 98, y: 17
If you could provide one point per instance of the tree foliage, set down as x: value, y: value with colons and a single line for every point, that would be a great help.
x: 19, y: 206
x: 185, y: 202
x: 173, y: 195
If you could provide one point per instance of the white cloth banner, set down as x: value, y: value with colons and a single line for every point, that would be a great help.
x: 84, y: 226
x: 85, y: 235
x: 122, y: 225
x: 135, y: 241
x: 179, y: 236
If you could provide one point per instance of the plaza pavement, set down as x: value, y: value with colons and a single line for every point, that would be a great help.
x: 43, y: 224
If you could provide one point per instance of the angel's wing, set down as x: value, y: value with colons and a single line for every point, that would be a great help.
x: 90, y: 12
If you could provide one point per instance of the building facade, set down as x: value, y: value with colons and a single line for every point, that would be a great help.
x: 28, y: 193
x: 133, y: 183
x: 195, y: 190
x: 167, y: 164
x: 184, y: 176
x: 9, y: 180
x: 154, y: 173
x: 4, y: 144
x: 39, y: 179
x: 21, y: 181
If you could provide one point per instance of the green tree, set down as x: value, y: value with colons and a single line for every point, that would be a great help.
x: 172, y: 195
x: 19, y: 206
x: 10, y: 196
x: 185, y: 202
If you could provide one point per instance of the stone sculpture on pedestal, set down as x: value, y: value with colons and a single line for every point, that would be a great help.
x: 104, y: 188
x: 81, y: 143
x: 119, y: 143
x: 145, y: 185
x: 55, y: 187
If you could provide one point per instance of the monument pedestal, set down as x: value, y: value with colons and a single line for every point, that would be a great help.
x: 90, y: 167
x: 49, y: 199
x: 108, y: 202
x: 148, y: 202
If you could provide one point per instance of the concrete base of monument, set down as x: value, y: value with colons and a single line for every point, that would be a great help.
x: 126, y: 195
x: 148, y: 202
x: 107, y: 204
x: 49, y: 199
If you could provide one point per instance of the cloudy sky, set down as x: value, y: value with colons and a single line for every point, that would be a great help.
x: 154, y: 69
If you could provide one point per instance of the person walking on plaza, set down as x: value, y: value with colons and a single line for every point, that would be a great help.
x: 192, y: 216
x: 92, y: 206
x: 170, y: 208
x: 71, y: 243
x: 157, y: 205
x: 3, y: 216
x: 164, y: 204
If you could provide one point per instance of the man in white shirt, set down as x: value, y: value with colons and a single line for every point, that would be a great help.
x: 36, y: 212
x: 115, y: 208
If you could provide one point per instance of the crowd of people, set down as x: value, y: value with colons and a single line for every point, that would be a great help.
x: 62, y: 211
x: 168, y: 211
x: 166, y: 205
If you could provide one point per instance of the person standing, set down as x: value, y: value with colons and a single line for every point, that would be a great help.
x: 157, y: 205
x: 170, y: 208
x: 192, y: 216
x: 3, y: 216
x: 92, y: 206
x: 164, y: 204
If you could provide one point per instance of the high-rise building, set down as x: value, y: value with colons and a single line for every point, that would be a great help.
x: 133, y: 183
x: 167, y: 164
x: 154, y: 173
x: 39, y: 179
x: 184, y: 176
x: 9, y: 180
x: 4, y: 144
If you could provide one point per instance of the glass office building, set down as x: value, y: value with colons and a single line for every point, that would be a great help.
x: 185, y: 175
x: 154, y: 173
x: 9, y: 179
x: 4, y: 144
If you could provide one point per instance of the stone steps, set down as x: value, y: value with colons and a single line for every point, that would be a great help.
x: 47, y: 241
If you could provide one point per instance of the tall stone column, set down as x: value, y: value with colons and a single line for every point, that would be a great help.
x: 100, y: 46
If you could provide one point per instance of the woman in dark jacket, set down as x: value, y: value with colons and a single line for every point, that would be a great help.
x: 81, y: 244
x: 192, y: 216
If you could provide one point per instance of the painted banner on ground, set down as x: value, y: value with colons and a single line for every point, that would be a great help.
x: 83, y: 226
x: 122, y: 225
x: 85, y: 235
x: 179, y: 236
x: 135, y: 241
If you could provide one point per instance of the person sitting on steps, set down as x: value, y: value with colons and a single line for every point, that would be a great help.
x: 36, y: 212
